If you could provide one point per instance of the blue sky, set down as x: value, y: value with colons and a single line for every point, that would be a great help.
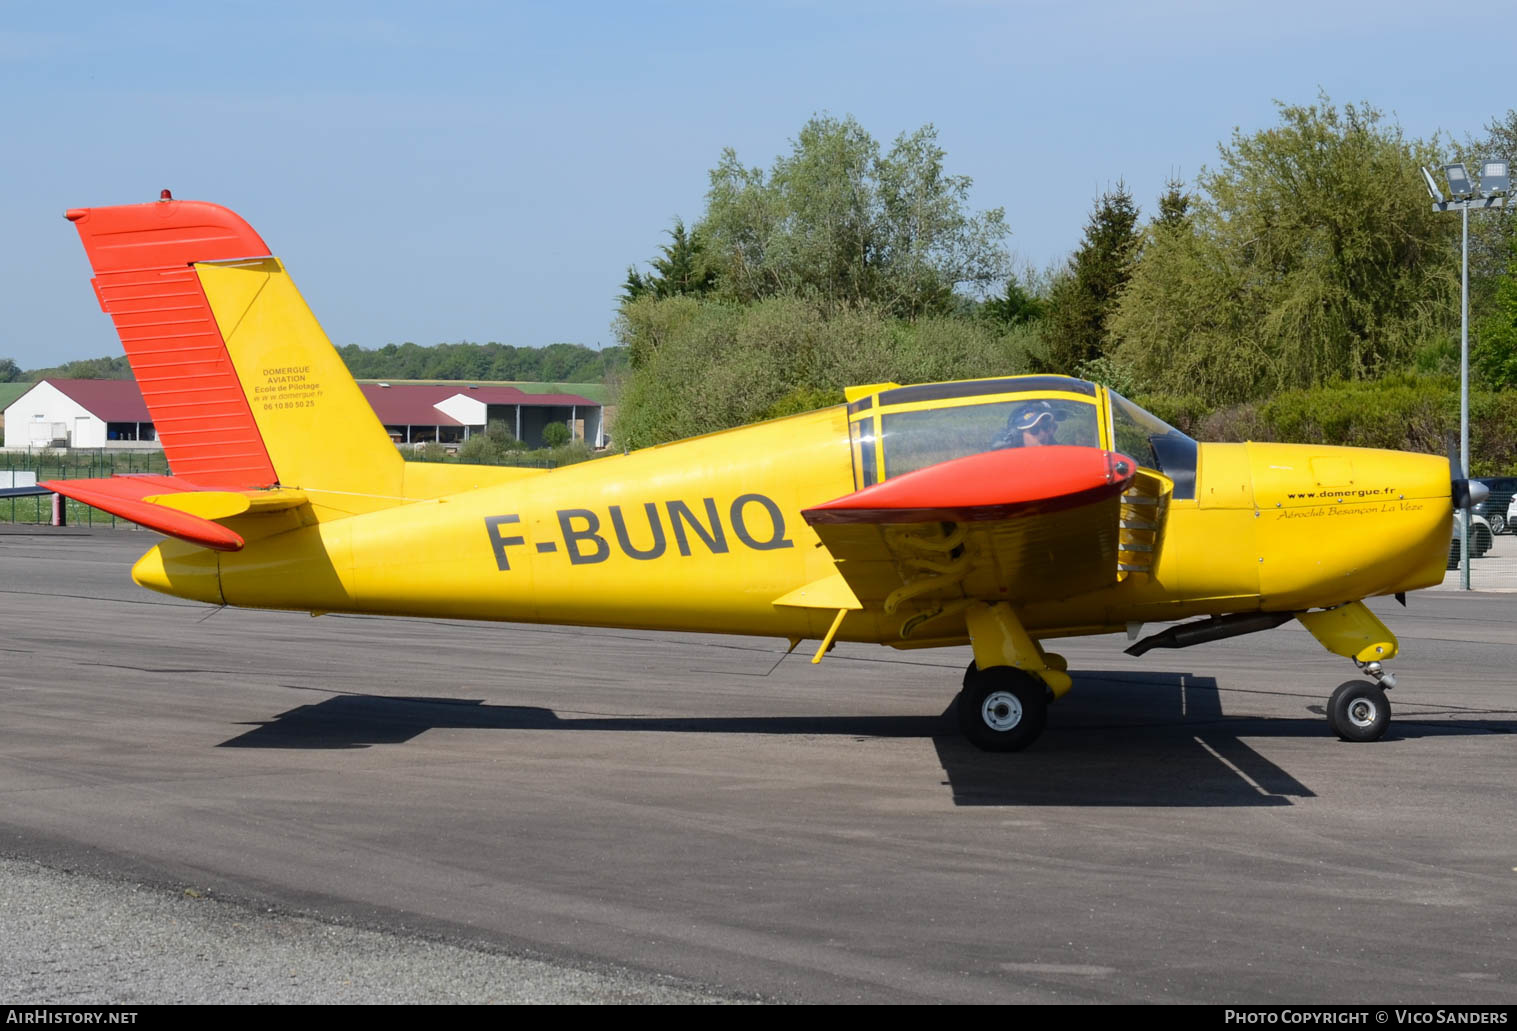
x: 459, y: 171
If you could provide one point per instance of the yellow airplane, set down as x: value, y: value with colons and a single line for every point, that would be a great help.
x: 1000, y: 512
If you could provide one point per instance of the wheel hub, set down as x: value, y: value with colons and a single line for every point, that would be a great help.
x: 1362, y: 712
x: 1001, y: 710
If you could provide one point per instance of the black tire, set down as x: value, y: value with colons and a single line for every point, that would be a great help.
x: 1480, y: 543
x: 1498, y: 524
x: 1359, y: 711
x: 1002, y: 709
x: 973, y: 669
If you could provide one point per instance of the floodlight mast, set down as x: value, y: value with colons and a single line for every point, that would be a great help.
x: 1495, y: 183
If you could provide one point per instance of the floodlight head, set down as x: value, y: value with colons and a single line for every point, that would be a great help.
x: 1432, y: 186
x: 1494, y: 177
x: 1459, y: 179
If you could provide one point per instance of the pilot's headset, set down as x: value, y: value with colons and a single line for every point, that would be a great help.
x: 1026, y: 417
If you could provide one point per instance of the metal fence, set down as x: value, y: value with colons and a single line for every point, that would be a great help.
x: 81, y: 464
x: 74, y: 464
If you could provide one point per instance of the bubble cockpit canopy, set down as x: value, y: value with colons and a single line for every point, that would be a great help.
x: 901, y: 429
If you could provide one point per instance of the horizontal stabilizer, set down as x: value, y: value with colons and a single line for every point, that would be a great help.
x: 175, y: 507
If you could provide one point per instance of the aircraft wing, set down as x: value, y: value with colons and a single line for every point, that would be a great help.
x: 1017, y: 525
x: 175, y: 507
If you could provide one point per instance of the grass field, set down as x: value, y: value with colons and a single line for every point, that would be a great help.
x: 38, y: 511
x: 10, y: 391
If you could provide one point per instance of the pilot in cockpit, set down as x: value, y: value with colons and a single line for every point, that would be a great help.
x: 1033, y: 424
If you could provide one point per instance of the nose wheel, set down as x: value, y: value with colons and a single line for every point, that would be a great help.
x: 1359, y: 711
x: 1002, y: 709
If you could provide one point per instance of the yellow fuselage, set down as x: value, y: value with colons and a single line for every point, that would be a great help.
x: 706, y: 534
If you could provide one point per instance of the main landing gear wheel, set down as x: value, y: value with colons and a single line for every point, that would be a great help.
x: 1359, y: 711
x: 1002, y: 709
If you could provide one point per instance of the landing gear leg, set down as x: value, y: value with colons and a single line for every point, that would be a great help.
x: 1004, y: 704
x: 1357, y: 711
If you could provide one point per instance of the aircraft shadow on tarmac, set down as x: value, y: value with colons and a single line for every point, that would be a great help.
x: 1122, y: 739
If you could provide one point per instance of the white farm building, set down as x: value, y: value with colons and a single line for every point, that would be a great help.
x: 80, y: 413
x: 110, y: 413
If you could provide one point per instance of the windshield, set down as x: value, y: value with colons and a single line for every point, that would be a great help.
x: 1154, y: 443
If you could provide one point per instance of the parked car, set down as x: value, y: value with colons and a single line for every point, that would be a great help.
x: 1497, y: 508
x: 1481, y: 538
x: 1511, y: 514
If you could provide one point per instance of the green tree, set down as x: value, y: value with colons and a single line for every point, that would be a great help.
x: 841, y: 264
x: 1084, y: 298
x: 1015, y: 306
x: 556, y: 434
x: 1309, y: 254
x: 481, y: 449
x: 469, y: 361
x: 682, y: 269
x: 711, y: 365
x: 1174, y: 204
x: 843, y: 225
x: 10, y: 372
x: 1493, y: 352
x: 85, y: 368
